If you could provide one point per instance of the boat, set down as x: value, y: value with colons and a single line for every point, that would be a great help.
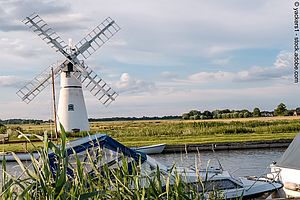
x: 287, y: 170
x: 22, y: 156
x: 112, y: 152
x: 151, y: 149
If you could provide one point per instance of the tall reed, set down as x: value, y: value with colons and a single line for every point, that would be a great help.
x: 89, y: 181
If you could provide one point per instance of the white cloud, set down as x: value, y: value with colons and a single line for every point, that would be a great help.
x: 15, y: 46
x: 211, y: 76
x: 284, y: 60
x: 11, y: 81
x: 169, y: 75
x: 129, y: 85
x: 221, y: 61
x: 279, y: 70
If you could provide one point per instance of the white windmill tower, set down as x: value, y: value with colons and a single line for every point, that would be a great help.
x: 73, y: 72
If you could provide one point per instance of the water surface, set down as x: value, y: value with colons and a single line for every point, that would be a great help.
x: 249, y: 162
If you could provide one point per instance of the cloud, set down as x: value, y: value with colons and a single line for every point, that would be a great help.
x: 279, y: 70
x: 15, y: 46
x: 129, y: 85
x: 11, y: 81
x: 211, y: 76
x: 169, y: 75
x: 284, y: 60
x: 13, y: 11
x: 222, y: 61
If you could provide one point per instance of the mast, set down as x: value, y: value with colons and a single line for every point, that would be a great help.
x: 54, y: 103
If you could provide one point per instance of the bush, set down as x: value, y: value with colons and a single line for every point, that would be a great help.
x: 2, y: 129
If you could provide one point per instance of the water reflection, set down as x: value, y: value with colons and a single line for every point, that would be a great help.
x: 239, y: 162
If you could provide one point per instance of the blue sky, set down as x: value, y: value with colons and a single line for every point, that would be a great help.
x: 170, y: 56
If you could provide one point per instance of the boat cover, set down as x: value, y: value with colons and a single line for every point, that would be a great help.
x: 291, y: 157
x: 91, y: 141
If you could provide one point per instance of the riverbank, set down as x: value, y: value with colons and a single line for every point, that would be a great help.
x: 186, y: 148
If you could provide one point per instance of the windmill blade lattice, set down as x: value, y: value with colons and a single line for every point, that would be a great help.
x: 98, y: 88
x: 40, y: 82
x: 42, y: 29
x: 96, y: 38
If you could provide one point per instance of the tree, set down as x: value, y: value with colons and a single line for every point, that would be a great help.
x: 185, y: 116
x: 2, y: 129
x: 241, y: 115
x: 246, y: 114
x: 256, y: 112
x: 207, y: 114
x: 225, y: 111
x: 196, y: 117
x: 235, y: 115
x: 194, y: 112
x: 281, y: 110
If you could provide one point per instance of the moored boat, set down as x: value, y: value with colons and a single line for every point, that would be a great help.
x: 112, y: 152
x: 287, y: 169
x: 151, y: 149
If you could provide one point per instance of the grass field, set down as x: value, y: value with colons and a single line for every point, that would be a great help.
x: 138, y: 133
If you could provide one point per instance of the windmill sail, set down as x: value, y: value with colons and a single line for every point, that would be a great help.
x: 98, y: 88
x: 42, y: 29
x: 33, y: 88
x: 96, y: 38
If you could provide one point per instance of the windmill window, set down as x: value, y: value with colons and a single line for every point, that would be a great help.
x: 71, y: 107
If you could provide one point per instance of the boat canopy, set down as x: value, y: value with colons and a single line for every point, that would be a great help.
x: 104, y: 141
x: 291, y: 157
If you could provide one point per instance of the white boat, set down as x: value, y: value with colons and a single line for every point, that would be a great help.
x: 112, y: 152
x: 287, y: 170
x: 151, y: 149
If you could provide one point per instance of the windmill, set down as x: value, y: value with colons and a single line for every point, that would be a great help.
x: 73, y: 72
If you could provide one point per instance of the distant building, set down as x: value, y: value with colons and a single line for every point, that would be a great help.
x: 267, y: 113
x: 297, y: 112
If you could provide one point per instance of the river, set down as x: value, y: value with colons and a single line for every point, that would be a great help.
x: 250, y: 162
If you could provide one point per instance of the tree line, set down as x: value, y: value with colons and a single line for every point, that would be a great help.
x: 280, y: 110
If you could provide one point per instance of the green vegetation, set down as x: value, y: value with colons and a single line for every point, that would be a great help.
x: 193, y: 132
x: 281, y: 110
x: 120, y: 181
x: 2, y: 129
x: 256, y: 112
x: 138, y: 133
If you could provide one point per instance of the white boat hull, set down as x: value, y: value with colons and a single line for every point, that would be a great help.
x: 288, y: 177
x: 152, y: 149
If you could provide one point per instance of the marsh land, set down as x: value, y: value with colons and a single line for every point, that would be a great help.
x: 139, y: 133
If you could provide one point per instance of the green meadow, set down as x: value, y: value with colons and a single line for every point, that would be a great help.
x: 139, y: 133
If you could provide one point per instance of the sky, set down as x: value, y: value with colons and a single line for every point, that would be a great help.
x: 169, y: 57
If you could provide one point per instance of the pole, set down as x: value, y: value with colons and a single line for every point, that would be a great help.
x: 54, y: 104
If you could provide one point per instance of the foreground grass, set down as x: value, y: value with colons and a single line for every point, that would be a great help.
x: 71, y: 178
x: 138, y: 133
